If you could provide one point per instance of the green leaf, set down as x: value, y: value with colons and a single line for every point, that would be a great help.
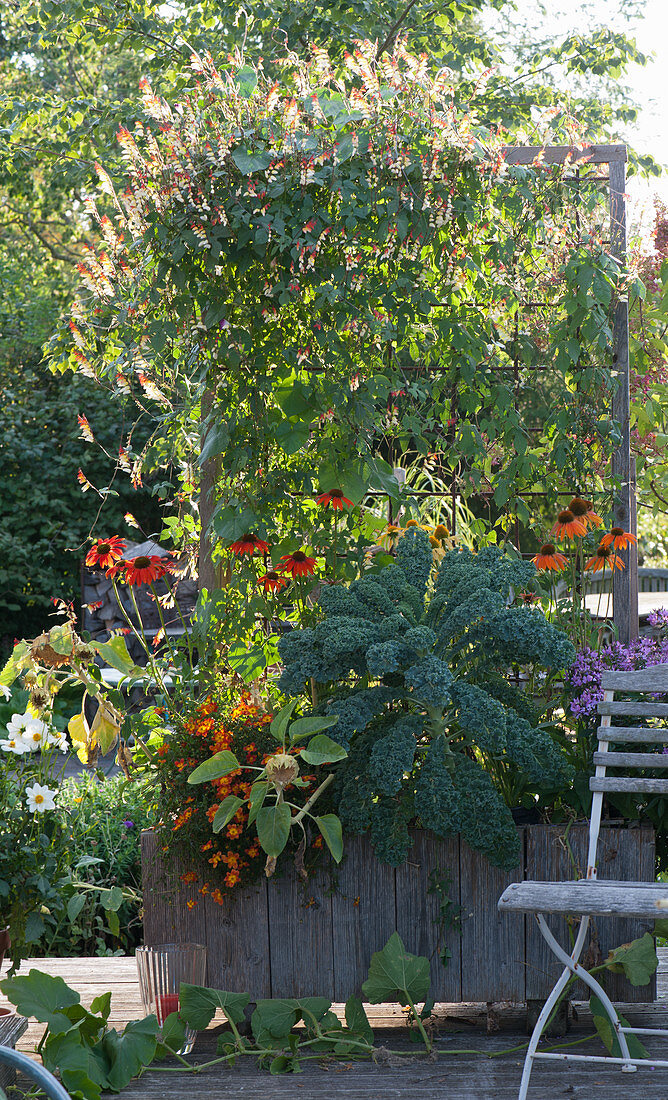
x: 273, y: 827
x: 115, y: 653
x: 40, y: 995
x: 173, y: 1032
x: 198, y: 1004
x: 607, y: 1034
x: 12, y: 667
x: 217, y: 766
x: 247, y: 163
x: 79, y: 1071
x: 248, y: 663
x: 661, y: 928
x: 258, y: 793
x: 637, y: 960
x: 101, y: 1006
x: 357, y: 1019
x: 111, y: 899
x: 226, y: 812
x: 74, y: 906
x: 322, y: 750
x: 330, y: 827
x: 396, y: 975
x: 274, y: 1019
x: 305, y: 727
x: 127, y: 1054
x: 34, y: 928
x: 280, y: 721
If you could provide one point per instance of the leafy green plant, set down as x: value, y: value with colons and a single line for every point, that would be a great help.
x: 265, y: 804
x: 416, y: 673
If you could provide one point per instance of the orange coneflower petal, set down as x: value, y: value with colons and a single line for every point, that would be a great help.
x: 618, y: 538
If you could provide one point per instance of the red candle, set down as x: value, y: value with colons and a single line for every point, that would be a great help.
x: 166, y: 1003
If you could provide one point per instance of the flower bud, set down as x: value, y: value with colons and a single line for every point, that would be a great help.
x: 282, y: 770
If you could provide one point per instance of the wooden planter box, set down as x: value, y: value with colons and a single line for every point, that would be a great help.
x: 280, y: 939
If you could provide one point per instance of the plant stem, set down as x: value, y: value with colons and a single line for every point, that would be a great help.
x: 425, y: 1038
x: 316, y: 794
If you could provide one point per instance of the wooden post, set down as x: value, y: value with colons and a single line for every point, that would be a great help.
x: 625, y: 582
x: 207, y: 499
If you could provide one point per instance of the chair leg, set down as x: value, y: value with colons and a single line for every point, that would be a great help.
x: 571, y: 962
x: 537, y: 1032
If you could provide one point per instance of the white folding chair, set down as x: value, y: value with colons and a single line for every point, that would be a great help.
x: 592, y: 897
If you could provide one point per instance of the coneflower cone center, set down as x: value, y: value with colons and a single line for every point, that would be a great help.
x: 616, y: 530
x: 299, y: 555
x: 566, y: 516
x: 579, y: 507
x: 142, y: 562
x: 548, y: 549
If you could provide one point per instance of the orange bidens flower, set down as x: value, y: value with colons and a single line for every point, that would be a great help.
x: 336, y: 498
x: 604, y: 556
x: 145, y: 569
x: 618, y: 538
x: 272, y: 581
x: 297, y: 564
x: 249, y: 544
x: 583, y: 511
x: 549, y: 558
x: 567, y: 526
x: 232, y: 878
x: 105, y: 552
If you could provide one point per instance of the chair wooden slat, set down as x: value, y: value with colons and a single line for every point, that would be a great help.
x: 649, y: 709
x: 629, y: 786
x: 654, y: 678
x: 629, y: 899
x: 645, y: 734
x: 631, y: 759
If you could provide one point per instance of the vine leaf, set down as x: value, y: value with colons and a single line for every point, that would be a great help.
x: 198, y: 1004
x: 396, y: 975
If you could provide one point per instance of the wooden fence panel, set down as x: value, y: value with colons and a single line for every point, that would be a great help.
x: 301, y: 943
x: 418, y: 910
x: 492, y: 942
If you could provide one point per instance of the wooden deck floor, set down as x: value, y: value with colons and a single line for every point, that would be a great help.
x: 471, y: 1076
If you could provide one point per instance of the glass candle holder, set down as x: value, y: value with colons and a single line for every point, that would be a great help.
x: 161, y: 970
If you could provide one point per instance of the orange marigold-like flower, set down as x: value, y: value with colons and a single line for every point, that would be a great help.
x: 618, y: 538
x: 144, y: 569
x: 336, y: 498
x: 549, y: 558
x: 218, y: 897
x: 233, y: 831
x: 191, y: 903
x: 272, y: 581
x: 297, y: 564
x: 604, y: 556
x: 583, y: 511
x: 249, y: 544
x: 567, y: 526
x: 105, y: 552
x: 189, y: 878
x: 232, y: 878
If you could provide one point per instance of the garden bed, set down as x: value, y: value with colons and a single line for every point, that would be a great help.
x: 282, y: 939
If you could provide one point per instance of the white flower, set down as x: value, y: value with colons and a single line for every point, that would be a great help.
x: 40, y: 798
x: 18, y: 722
x: 55, y: 737
x: 36, y: 734
x: 15, y: 745
x: 5, y: 691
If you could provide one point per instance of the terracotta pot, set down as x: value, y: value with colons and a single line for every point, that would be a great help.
x: 5, y: 943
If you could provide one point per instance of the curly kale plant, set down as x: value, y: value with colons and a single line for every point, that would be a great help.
x: 415, y: 667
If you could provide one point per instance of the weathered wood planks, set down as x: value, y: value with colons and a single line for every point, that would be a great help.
x: 284, y: 939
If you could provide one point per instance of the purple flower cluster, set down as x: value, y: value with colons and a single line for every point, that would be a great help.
x: 659, y: 618
x: 584, y: 676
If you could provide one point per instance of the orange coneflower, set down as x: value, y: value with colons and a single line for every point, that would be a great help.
x: 249, y: 544
x: 297, y: 564
x: 548, y: 557
x: 272, y: 581
x: 336, y: 498
x: 105, y: 552
x: 567, y: 526
x: 618, y: 538
x: 604, y: 557
x: 145, y: 569
x: 583, y: 511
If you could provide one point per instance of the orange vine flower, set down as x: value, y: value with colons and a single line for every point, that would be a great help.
x: 105, y: 552
x: 144, y: 569
x: 567, y: 526
x: 297, y: 564
x: 604, y: 557
x: 548, y: 557
x: 272, y: 581
x: 336, y: 498
x: 583, y: 511
x: 249, y: 544
x: 618, y: 538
